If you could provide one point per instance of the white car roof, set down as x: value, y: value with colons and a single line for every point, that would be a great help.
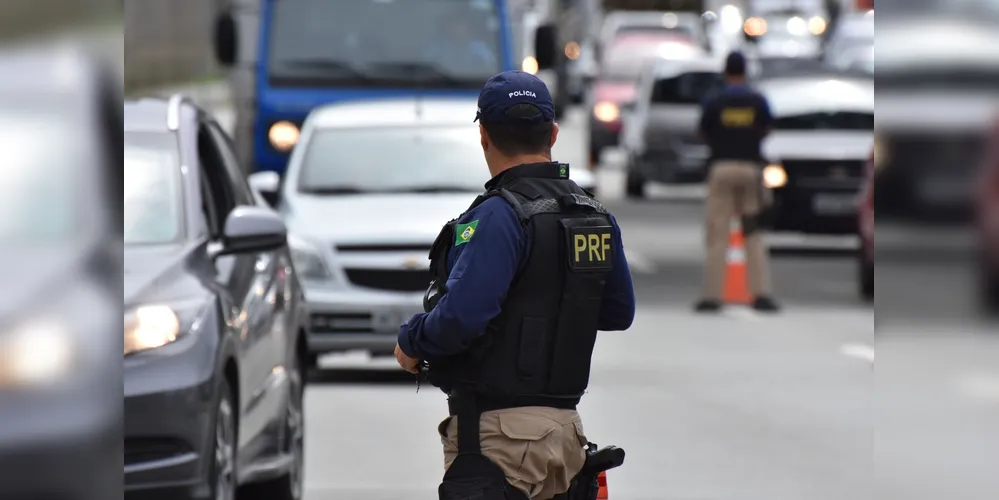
x: 411, y: 111
x: 667, y: 68
x: 799, y: 95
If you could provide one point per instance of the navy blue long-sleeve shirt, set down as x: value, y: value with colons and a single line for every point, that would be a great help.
x: 480, y: 274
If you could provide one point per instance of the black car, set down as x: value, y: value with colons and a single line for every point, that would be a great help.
x: 60, y: 263
x: 214, y: 348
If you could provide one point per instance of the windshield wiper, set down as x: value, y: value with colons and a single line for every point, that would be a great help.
x: 327, y: 64
x: 427, y: 72
x: 332, y: 190
x: 435, y: 189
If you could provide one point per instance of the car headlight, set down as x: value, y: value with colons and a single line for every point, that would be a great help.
x: 606, y: 111
x: 755, y: 26
x: 149, y: 327
x: 817, y: 25
x: 774, y: 176
x: 37, y: 352
x: 283, y: 135
x: 529, y: 65
x: 308, y: 260
x: 880, y: 153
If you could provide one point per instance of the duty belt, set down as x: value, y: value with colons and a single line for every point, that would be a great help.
x: 456, y: 400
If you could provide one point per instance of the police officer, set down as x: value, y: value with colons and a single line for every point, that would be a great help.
x: 734, y: 124
x: 523, y: 281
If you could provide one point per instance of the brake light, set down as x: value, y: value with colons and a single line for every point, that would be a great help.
x: 602, y: 482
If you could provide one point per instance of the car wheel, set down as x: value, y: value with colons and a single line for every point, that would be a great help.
x: 290, y: 486
x: 224, y: 466
x: 635, y: 185
x: 866, y: 268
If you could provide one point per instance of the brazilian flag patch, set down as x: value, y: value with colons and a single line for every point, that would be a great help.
x: 464, y: 232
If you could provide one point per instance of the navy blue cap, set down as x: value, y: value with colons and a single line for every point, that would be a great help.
x: 509, y: 89
x: 735, y: 64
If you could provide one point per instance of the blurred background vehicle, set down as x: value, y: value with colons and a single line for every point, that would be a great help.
x: 988, y: 225
x: 368, y: 187
x: 213, y: 346
x: 780, y: 66
x: 818, y: 148
x: 791, y: 28
x: 937, y: 66
x: 616, y: 88
x: 312, y: 52
x: 851, y: 43
x: 662, y: 138
x: 60, y: 256
x: 865, y: 229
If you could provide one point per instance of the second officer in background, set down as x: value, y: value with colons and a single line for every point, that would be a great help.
x: 523, y: 281
x: 734, y: 124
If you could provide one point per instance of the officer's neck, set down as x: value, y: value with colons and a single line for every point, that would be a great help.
x: 503, y: 164
x: 735, y: 81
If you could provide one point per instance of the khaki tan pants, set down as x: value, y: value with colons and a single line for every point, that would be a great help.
x: 539, y: 449
x: 734, y: 190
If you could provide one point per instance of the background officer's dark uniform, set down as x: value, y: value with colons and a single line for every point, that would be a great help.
x: 532, y: 270
x: 734, y: 123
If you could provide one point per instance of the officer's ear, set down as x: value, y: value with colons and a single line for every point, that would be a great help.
x: 554, y: 134
x: 484, y: 138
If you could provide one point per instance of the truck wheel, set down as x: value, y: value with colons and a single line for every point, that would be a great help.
x: 989, y: 291
x: 635, y: 185
x: 866, y: 277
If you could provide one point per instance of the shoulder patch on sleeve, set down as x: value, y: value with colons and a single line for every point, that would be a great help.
x: 463, y: 232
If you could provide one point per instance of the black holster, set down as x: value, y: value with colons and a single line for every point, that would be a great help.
x: 472, y: 476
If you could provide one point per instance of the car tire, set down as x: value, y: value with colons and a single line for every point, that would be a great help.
x: 866, y: 268
x: 989, y: 292
x: 634, y: 185
x: 223, y: 470
x: 291, y: 485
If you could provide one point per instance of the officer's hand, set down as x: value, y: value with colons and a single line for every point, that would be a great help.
x: 407, y: 363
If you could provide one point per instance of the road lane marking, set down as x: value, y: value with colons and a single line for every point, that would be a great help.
x: 637, y: 263
x: 858, y: 351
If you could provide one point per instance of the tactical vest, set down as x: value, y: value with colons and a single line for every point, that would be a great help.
x: 537, y: 351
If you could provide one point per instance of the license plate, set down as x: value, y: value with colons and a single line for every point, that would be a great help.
x: 390, y: 321
x: 834, y: 204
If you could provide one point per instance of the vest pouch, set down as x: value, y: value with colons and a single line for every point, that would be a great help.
x: 533, y: 356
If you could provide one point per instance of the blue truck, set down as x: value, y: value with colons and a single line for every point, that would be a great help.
x: 313, y: 52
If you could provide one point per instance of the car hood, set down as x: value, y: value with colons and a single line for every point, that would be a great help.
x: 37, y: 272
x: 818, y: 145
x: 163, y: 274
x: 374, y: 218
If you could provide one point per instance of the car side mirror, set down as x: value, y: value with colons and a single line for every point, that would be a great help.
x: 267, y: 185
x: 226, y: 39
x: 545, y: 46
x: 253, y: 229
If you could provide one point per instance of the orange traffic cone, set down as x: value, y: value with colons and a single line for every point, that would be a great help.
x: 602, y: 482
x: 736, y: 288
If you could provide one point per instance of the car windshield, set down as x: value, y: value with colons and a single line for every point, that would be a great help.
x: 629, y: 54
x: 153, y: 205
x: 978, y: 9
x: 407, y: 159
x: 439, y: 43
x: 42, y: 154
x: 826, y: 121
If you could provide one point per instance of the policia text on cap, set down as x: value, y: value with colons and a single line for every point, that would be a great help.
x: 523, y: 281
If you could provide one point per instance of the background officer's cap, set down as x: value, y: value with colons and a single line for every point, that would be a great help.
x: 509, y: 89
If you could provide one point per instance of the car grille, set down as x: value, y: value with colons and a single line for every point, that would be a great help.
x: 398, y: 280
x: 141, y: 450
x: 836, y: 170
x: 925, y: 153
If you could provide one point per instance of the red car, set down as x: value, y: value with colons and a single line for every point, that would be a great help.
x: 987, y: 221
x: 865, y: 228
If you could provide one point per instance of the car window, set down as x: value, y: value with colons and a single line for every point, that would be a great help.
x: 154, y: 199
x: 220, y: 192
x: 393, y: 159
x: 242, y: 192
x: 826, y: 121
x: 688, y: 88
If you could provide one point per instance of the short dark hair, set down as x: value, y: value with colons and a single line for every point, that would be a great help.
x: 534, y: 136
x: 735, y: 64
